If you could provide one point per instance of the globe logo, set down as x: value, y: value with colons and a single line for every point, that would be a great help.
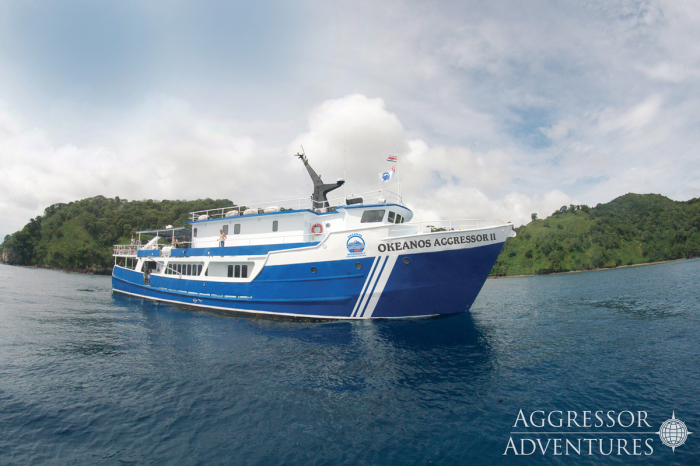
x: 673, y: 433
x: 386, y: 176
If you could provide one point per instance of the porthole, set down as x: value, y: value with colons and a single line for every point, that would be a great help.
x: 313, y: 269
x: 406, y: 260
x: 358, y: 266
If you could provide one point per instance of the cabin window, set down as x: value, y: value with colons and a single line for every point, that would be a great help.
x: 226, y: 229
x: 194, y: 233
x: 237, y: 273
x: 244, y: 271
x: 372, y: 216
x: 274, y: 225
x: 399, y: 219
x: 230, y: 271
x: 390, y: 218
x: 192, y: 269
x: 237, y: 229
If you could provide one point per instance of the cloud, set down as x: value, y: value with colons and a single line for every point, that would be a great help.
x: 498, y: 109
x: 635, y: 118
x: 438, y: 182
x: 168, y: 152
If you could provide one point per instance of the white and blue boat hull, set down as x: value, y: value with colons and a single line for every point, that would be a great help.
x: 444, y: 278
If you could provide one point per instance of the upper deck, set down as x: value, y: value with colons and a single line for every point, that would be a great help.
x: 301, y: 204
x: 293, y: 223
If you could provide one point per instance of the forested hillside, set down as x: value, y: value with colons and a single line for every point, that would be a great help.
x: 80, y: 235
x: 632, y: 229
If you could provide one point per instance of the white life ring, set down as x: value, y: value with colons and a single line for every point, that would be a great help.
x: 317, y: 229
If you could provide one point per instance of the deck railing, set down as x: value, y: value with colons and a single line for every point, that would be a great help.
x: 372, y: 197
x: 460, y: 224
x: 132, y: 249
x: 444, y: 225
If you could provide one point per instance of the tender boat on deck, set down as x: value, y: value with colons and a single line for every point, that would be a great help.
x: 350, y: 258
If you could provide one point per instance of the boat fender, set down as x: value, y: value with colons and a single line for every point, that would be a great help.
x: 317, y: 229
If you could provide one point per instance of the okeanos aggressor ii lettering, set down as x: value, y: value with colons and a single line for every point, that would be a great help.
x: 436, y: 242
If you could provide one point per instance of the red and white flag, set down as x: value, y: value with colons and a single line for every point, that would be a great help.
x: 392, y: 158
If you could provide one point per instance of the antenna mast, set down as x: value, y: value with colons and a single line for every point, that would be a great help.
x: 320, y: 201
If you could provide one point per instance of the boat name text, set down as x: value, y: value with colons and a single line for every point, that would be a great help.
x: 444, y: 241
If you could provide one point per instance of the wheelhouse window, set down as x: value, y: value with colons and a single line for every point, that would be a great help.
x: 275, y: 225
x: 225, y: 229
x: 391, y: 216
x: 237, y: 229
x: 194, y: 233
x: 372, y: 216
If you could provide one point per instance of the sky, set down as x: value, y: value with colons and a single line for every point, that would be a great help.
x: 495, y: 109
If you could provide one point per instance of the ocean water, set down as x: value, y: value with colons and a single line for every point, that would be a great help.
x: 91, y: 377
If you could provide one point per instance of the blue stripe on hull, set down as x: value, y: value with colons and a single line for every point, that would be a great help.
x: 432, y: 283
x: 257, y: 250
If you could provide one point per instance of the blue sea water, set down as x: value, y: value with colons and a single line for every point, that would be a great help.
x: 91, y: 377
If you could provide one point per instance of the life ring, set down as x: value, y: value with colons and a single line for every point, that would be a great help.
x: 317, y: 229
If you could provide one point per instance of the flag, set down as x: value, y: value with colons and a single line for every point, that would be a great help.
x: 392, y: 158
x: 387, y: 175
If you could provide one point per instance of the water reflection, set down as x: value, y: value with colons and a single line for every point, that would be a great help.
x: 335, y: 355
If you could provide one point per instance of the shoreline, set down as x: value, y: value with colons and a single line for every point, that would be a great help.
x: 600, y: 269
x: 85, y: 271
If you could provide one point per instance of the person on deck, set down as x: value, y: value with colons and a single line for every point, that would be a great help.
x: 222, y: 238
x: 174, y: 243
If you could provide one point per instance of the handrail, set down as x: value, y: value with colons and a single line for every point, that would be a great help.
x: 451, y: 225
x: 448, y: 225
x: 132, y: 249
x: 382, y: 196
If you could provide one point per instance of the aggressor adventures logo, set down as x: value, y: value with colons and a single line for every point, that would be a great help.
x: 550, y: 433
x: 355, y: 245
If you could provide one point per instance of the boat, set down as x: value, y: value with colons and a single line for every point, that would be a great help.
x: 353, y: 257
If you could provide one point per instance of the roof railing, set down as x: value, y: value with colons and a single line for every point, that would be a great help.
x: 446, y: 225
x: 382, y: 196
